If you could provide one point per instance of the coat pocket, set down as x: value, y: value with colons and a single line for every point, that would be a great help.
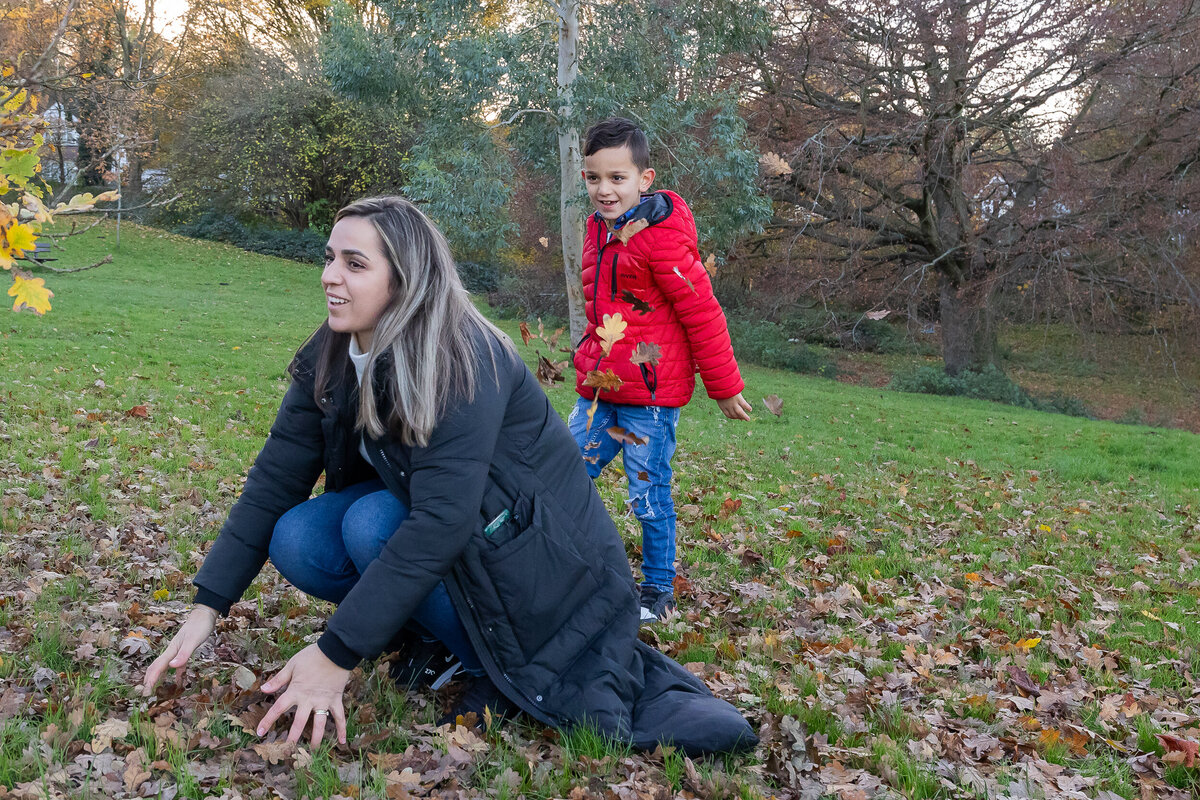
x: 539, y: 578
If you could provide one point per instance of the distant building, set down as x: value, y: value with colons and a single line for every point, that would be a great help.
x: 62, y: 142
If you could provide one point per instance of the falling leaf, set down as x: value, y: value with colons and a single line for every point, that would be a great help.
x: 684, y: 278
x: 591, y: 412
x: 639, y: 305
x: 30, y: 293
x: 606, y: 381
x: 138, y: 411
x: 710, y: 265
x: 525, y: 334
x: 625, y: 437
x: 543, y: 241
x: 549, y: 372
x: 773, y: 165
x: 774, y: 404
x: 646, y: 353
x: 611, y: 332
x: 630, y: 230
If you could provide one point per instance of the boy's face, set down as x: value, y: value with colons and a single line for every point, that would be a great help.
x: 614, y: 183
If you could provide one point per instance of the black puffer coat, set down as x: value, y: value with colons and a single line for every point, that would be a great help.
x: 548, y: 598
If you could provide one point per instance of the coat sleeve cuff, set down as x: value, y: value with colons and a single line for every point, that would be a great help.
x: 207, y: 597
x: 336, y: 650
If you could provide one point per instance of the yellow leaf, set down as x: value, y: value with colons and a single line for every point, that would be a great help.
x: 161, y: 595
x: 591, y: 412
x: 30, y: 293
x: 1045, y: 528
x: 1148, y: 614
x: 611, y: 332
x: 1029, y: 644
x: 18, y: 240
x: 973, y: 577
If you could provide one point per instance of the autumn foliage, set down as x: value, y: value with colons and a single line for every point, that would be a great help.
x: 23, y: 210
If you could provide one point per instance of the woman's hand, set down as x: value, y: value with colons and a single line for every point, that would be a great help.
x: 314, y: 686
x: 195, y: 629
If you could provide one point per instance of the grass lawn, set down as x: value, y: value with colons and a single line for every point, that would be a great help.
x: 909, y: 596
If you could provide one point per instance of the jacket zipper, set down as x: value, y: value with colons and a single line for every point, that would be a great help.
x: 612, y: 284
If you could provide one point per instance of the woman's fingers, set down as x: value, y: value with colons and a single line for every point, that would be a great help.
x: 318, y: 727
x: 300, y: 720
x: 280, y: 679
x: 338, y: 712
x: 157, y: 667
x: 281, y: 704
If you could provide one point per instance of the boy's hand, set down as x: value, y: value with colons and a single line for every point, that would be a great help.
x: 735, y: 407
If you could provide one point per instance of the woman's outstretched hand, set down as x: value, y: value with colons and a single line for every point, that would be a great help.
x: 314, y: 684
x: 195, y: 629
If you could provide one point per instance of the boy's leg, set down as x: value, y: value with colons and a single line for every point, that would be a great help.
x: 648, y: 467
x: 595, y: 445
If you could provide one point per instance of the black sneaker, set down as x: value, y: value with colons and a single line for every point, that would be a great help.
x: 479, y: 693
x: 422, y: 663
x: 657, y: 604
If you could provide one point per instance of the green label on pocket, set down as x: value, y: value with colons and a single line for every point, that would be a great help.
x: 495, y: 524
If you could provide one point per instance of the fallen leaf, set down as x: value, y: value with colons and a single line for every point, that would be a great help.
x: 275, y: 752
x: 104, y: 733
x: 138, y: 411
x: 1186, y: 748
x: 244, y: 679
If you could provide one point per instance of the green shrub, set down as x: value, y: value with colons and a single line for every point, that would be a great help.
x: 307, y: 246
x: 767, y: 344
x: 989, y: 383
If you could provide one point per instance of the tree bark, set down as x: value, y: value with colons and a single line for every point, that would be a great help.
x: 570, y: 164
x: 969, y: 340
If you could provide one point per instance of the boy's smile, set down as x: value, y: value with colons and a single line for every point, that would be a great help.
x: 614, y: 183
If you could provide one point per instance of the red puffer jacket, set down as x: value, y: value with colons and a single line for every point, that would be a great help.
x: 649, y: 272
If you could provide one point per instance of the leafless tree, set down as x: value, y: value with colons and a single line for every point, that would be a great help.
x: 982, y: 149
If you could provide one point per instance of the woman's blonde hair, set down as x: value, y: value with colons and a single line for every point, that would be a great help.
x: 428, y: 332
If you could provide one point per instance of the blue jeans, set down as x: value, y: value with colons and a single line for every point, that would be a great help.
x: 647, y: 468
x: 324, y: 545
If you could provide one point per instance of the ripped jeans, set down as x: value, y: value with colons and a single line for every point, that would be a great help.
x: 647, y: 468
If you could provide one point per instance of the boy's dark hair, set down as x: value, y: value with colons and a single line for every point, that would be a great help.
x: 618, y: 132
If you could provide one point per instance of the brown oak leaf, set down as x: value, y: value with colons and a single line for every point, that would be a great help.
x: 774, y: 404
x: 625, y: 437
x: 646, y: 353
x: 606, y: 381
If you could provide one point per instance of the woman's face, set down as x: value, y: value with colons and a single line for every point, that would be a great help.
x: 357, y: 279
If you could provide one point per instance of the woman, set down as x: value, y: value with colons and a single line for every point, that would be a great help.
x: 455, y: 497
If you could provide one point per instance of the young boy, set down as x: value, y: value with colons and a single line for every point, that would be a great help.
x: 641, y: 263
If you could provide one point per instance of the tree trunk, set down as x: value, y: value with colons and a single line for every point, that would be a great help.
x: 571, y: 164
x: 968, y: 327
